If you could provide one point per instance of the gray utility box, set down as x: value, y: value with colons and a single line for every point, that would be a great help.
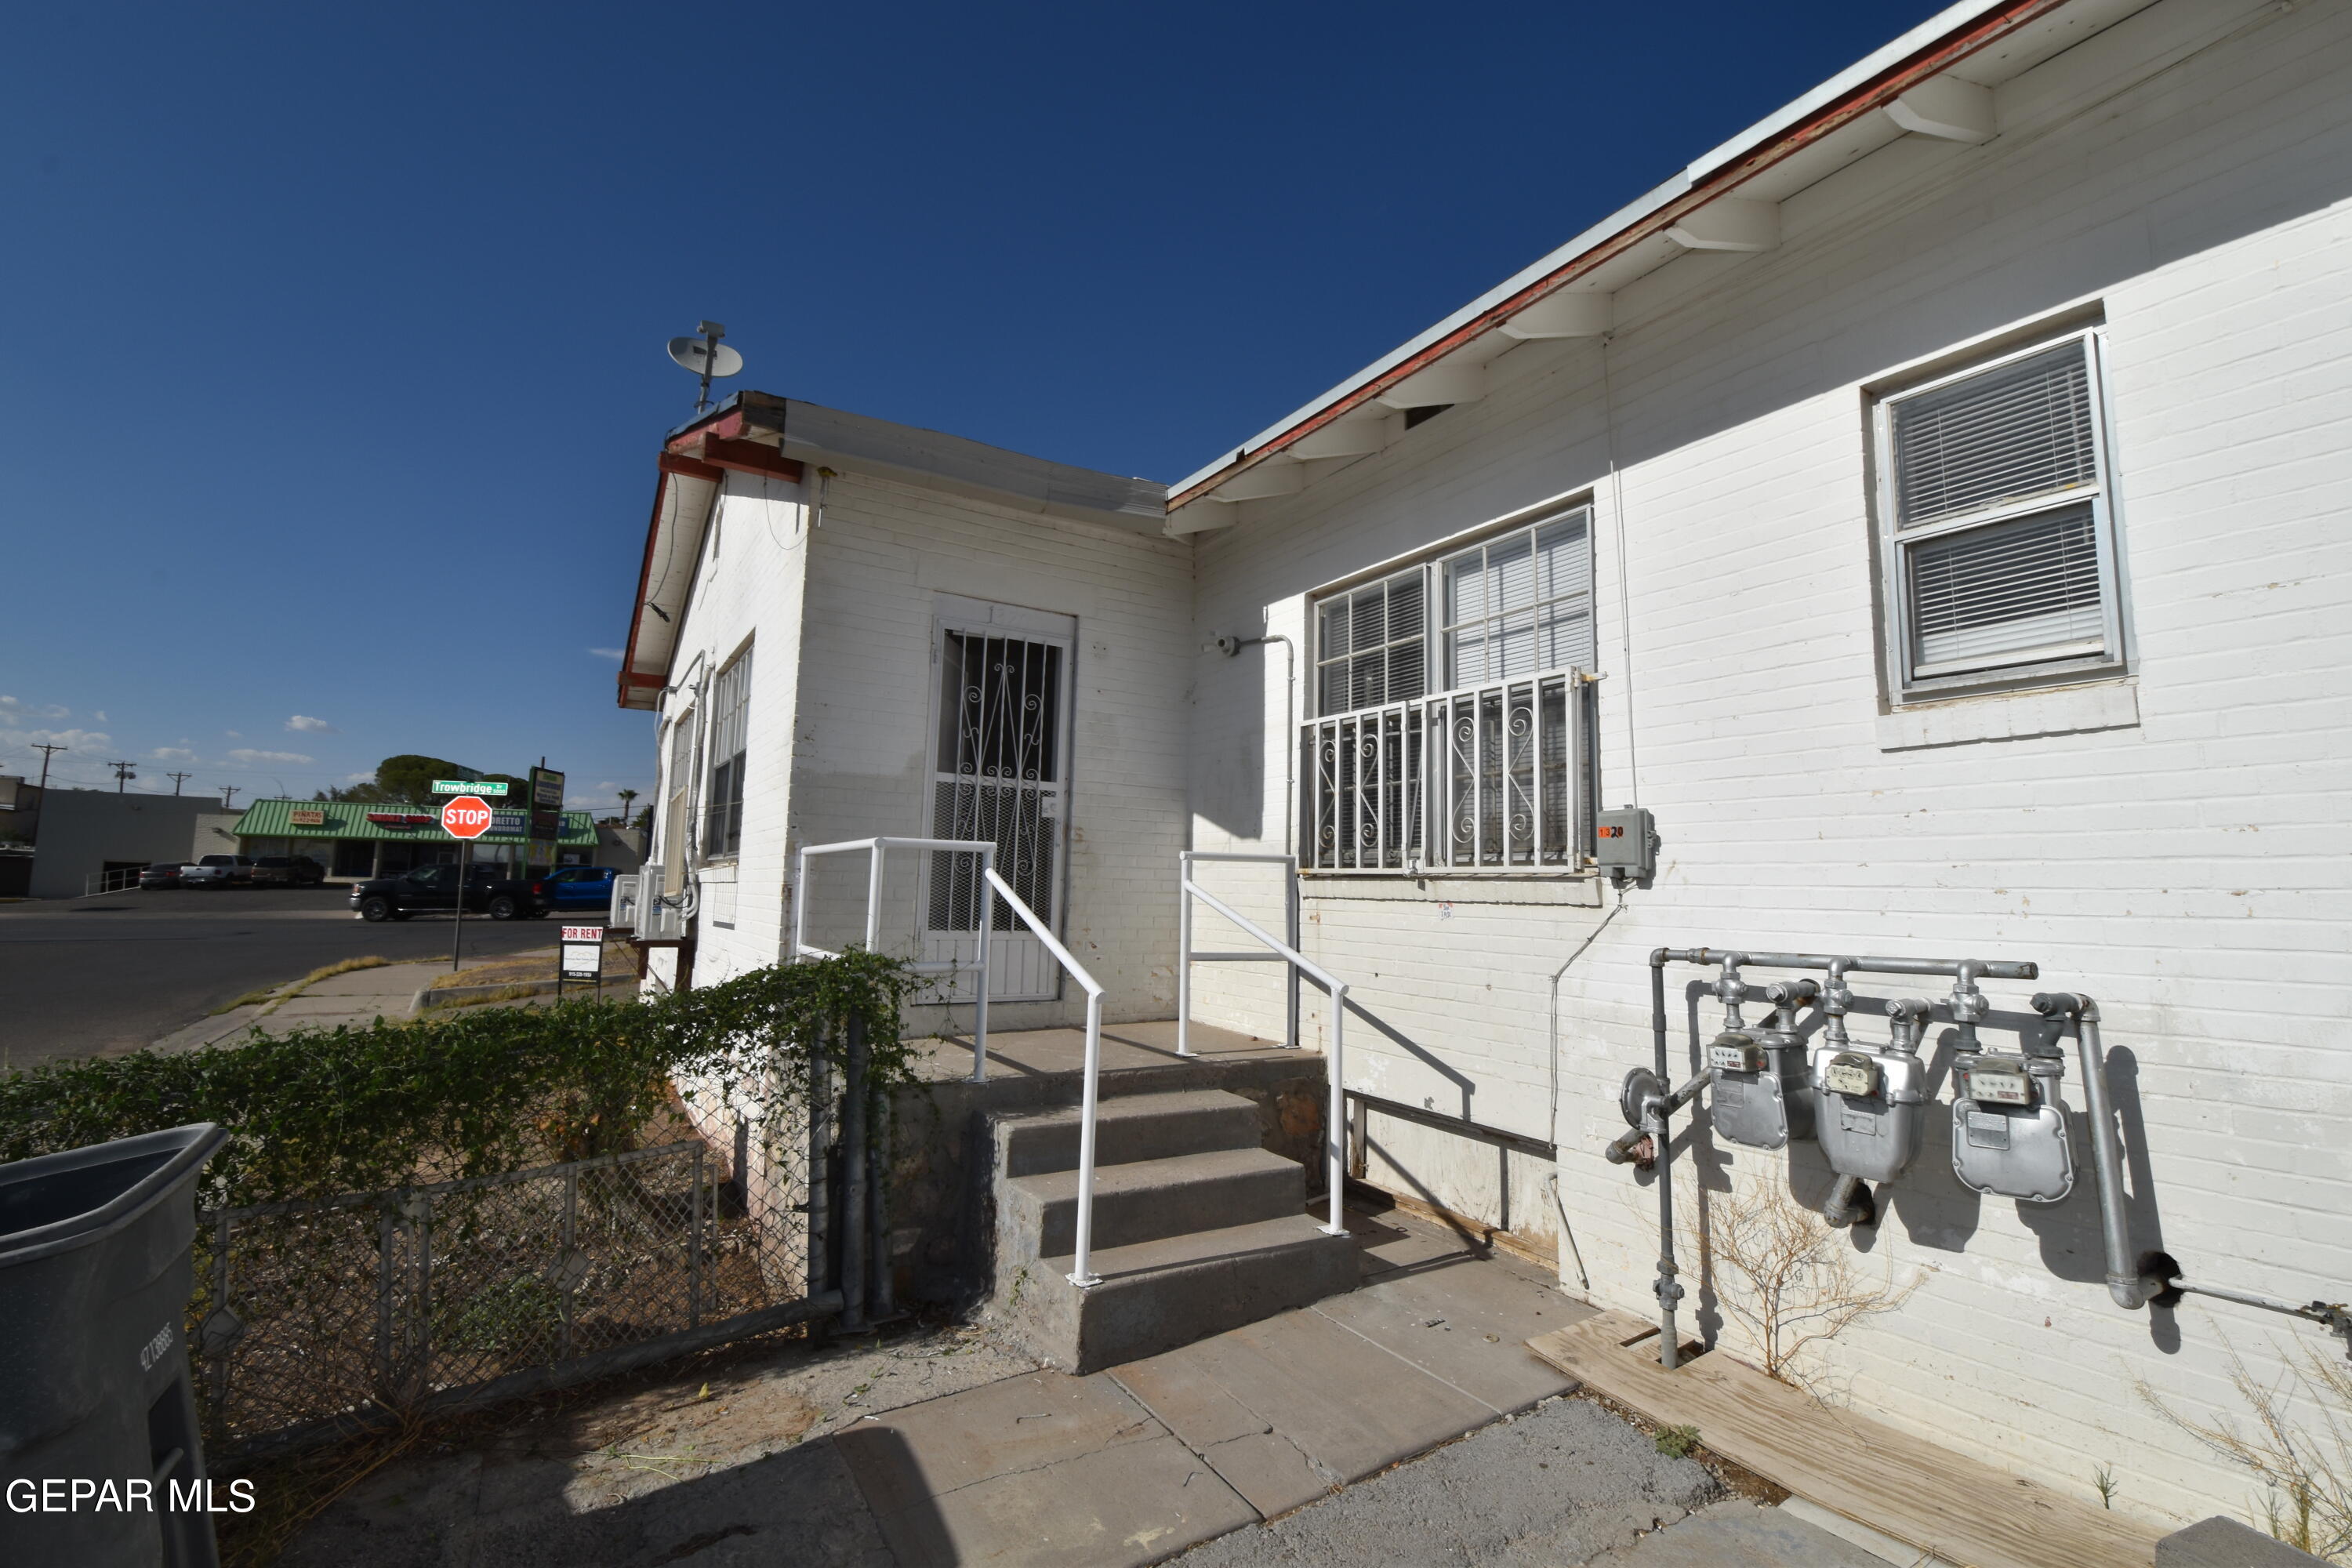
x: 2009, y: 1128
x: 1869, y: 1106
x: 1625, y: 843
x: 94, y: 1281
x: 1762, y: 1097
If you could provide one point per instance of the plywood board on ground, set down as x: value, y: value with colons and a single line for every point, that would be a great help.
x: 1966, y: 1513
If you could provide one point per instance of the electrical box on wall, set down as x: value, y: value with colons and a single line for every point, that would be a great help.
x: 1625, y: 843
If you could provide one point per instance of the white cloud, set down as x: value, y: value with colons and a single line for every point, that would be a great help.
x: 304, y: 721
x: 611, y: 653
x: 359, y: 778
x: 97, y: 713
x: 172, y: 754
x: 71, y: 740
x: 233, y: 734
x: 251, y: 758
x: 12, y: 708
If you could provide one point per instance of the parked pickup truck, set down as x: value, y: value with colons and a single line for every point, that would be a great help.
x: 430, y: 888
x: 217, y: 871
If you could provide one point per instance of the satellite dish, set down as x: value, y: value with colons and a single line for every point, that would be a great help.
x: 706, y: 356
x: 694, y: 353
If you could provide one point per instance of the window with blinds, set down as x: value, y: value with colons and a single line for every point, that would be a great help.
x: 722, y: 830
x: 1999, y: 539
x: 1519, y: 603
x: 1370, y: 645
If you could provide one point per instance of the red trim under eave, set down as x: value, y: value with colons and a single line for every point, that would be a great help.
x: 1865, y: 98
x: 751, y: 458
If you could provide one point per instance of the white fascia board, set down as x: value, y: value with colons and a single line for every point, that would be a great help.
x: 1641, y: 206
x: 1624, y: 217
x: 1945, y: 21
x: 815, y: 434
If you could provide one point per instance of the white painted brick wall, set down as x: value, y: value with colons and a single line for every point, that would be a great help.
x: 855, y: 724
x: 2188, y: 870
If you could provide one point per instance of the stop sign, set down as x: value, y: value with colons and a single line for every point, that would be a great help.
x: 465, y: 817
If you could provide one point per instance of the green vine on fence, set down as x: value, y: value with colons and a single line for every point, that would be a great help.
x: 316, y: 1112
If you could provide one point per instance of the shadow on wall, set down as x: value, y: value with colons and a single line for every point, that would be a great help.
x: 1936, y: 1211
x: 1228, y: 779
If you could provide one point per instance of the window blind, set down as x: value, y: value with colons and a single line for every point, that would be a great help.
x: 2019, y: 431
x: 1520, y: 603
x: 1991, y: 594
x: 1371, y: 643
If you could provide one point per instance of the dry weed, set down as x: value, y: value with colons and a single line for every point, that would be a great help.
x: 2306, y: 1469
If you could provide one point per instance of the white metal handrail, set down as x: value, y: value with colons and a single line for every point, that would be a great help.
x: 1186, y: 957
x: 876, y: 849
x: 1081, y: 1272
x: 1334, y: 1118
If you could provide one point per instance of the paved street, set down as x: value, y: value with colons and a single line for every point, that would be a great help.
x: 98, y: 976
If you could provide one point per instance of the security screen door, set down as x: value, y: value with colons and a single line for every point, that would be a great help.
x: 1000, y: 772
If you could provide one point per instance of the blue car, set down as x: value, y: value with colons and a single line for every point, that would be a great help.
x: 577, y: 889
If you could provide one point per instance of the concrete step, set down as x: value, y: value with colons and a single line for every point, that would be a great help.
x: 1144, y: 1200
x: 1157, y: 1295
x: 1128, y: 1128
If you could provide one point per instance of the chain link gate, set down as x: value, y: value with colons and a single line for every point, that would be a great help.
x: 309, y: 1316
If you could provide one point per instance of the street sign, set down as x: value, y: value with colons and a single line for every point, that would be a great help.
x: 546, y: 802
x: 468, y: 787
x: 583, y: 933
x: 465, y: 817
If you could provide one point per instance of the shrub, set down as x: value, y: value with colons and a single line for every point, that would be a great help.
x: 321, y: 1111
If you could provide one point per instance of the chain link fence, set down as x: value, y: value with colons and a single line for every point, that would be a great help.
x: 311, y: 1316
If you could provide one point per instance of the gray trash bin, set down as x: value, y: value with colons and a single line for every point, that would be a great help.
x: 95, y: 1275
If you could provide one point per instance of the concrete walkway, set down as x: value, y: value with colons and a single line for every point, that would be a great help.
x: 361, y: 996
x: 1335, y: 1433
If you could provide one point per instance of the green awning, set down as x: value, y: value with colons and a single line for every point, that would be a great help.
x: 356, y: 819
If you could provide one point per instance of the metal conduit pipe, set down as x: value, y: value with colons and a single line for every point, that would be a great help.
x: 2131, y: 1289
x: 1980, y: 968
x: 1669, y: 1290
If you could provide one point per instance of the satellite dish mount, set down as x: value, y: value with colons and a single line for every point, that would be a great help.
x: 706, y: 357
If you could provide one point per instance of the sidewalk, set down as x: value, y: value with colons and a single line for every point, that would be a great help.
x: 360, y: 996
x: 388, y: 991
x: 1330, y: 1435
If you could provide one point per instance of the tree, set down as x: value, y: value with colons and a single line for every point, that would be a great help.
x: 409, y: 776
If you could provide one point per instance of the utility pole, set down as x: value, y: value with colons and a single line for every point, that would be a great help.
x: 229, y: 793
x: 45, y: 749
x: 123, y: 775
x: 177, y: 779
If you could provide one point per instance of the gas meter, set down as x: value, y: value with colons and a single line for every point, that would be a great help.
x: 1869, y: 1101
x: 2009, y: 1128
x: 1760, y: 1097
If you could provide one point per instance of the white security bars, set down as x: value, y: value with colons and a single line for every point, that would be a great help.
x: 1487, y: 778
x: 875, y: 849
x: 1335, y: 1114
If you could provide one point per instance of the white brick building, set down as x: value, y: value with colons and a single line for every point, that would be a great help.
x: 1945, y: 480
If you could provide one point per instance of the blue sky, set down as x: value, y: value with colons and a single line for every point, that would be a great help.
x: 331, y: 346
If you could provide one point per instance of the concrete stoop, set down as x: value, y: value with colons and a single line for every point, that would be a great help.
x: 1197, y: 1229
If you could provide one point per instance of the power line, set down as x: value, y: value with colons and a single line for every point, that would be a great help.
x: 229, y: 793
x: 177, y: 779
x: 123, y: 775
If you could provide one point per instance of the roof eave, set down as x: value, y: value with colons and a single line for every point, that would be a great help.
x: 1863, y: 87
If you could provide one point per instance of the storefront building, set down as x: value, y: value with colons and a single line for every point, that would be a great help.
x: 356, y: 839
